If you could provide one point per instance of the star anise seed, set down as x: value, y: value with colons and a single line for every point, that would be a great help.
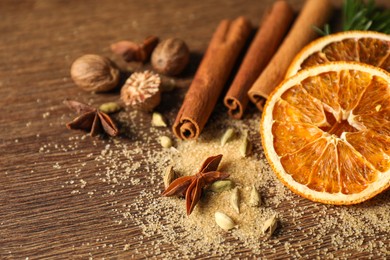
x: 192, y: 186
x: 90, y: 119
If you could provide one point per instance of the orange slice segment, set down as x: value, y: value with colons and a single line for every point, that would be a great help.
x: 378, y: 122
x: 355, y: 173
x: 373, y: 146
x: 326, y: 132
x: 360, y: 46
x: 289, y: 137
x: 303, y: 160
x: 375, y: 98
x: 352, y: 86
x: 324, y: 176
x: 325, y: 88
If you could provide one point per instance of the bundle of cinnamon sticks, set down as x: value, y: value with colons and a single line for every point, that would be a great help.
x: 263, y: 67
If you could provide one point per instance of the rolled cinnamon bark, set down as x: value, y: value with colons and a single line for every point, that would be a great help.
x: 313, y: 13
x: 271, y: 31
x: 211, y: 76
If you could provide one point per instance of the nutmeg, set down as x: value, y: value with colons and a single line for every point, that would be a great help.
x: 170, y: 57
x: 96, y: 73
x: 142, y: 91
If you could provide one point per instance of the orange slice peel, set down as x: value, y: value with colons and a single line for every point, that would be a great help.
x: 368, y: 47
x: 326, y: 132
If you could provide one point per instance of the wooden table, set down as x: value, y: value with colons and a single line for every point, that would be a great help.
x: 41, y: 213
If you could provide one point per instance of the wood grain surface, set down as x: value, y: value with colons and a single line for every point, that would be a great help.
x: 42, y: 215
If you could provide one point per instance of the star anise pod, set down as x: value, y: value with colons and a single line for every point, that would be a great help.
x: 192, y: 186
x: 90, y: 119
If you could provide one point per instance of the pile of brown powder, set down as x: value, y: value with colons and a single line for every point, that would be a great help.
x: 304, y: 226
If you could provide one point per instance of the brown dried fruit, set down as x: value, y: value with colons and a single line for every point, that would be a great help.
x: 170, y: 57
x: 142, y: 90
x: 128, y: 50
x: 148, y: 46
x: 131, y: 51
x: 96, y: 73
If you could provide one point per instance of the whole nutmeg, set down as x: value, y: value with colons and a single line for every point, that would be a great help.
x: 170, y: 57
x: 142, y: 91
x: 96, y: 73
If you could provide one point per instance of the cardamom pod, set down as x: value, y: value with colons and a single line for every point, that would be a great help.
x: 235, y: 200
x: 229, y: 133
x: 255, y: 198
x: 158, y: 120
x: 165, y: 141
x: 167, y: 85
x: 224, y: 221
x: 222, y: 185
x: 246, y: 146
x: 169, y: 176
x: 270, y: 225
x: 110, y: 107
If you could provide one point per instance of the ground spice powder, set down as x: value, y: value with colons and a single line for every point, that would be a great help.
x: 304, y: 226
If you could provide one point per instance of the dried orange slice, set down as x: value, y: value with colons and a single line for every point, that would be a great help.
x: 361, y: 46
x: 326, y: 132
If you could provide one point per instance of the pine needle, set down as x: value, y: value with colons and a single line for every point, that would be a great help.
x: 358, y: 15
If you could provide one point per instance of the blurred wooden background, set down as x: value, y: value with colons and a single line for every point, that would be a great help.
x: 39, y: 39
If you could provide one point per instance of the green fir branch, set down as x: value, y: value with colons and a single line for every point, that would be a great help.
x: 358, y: 15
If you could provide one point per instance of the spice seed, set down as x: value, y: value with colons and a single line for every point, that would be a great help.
x: 222, y: 185
x: 235, y: 200
x: 270, y: 225
x: 158, y: 120
x: 165, y: 141
x: 169, y: 176
x: 246, y: 146
x: 227, y: 136
x: 224, y: 221
x: 142, y: 90
x: 255, y: 199
x: 110, y: 107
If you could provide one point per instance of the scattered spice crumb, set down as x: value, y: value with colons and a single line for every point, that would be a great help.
x: 46, y: 115
x: 83, y: 183
x: 136, y: 166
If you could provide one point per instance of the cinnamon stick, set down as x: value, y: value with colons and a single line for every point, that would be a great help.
x: 211, y: 76
x: 271, y: 31
x: 313, y: 13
